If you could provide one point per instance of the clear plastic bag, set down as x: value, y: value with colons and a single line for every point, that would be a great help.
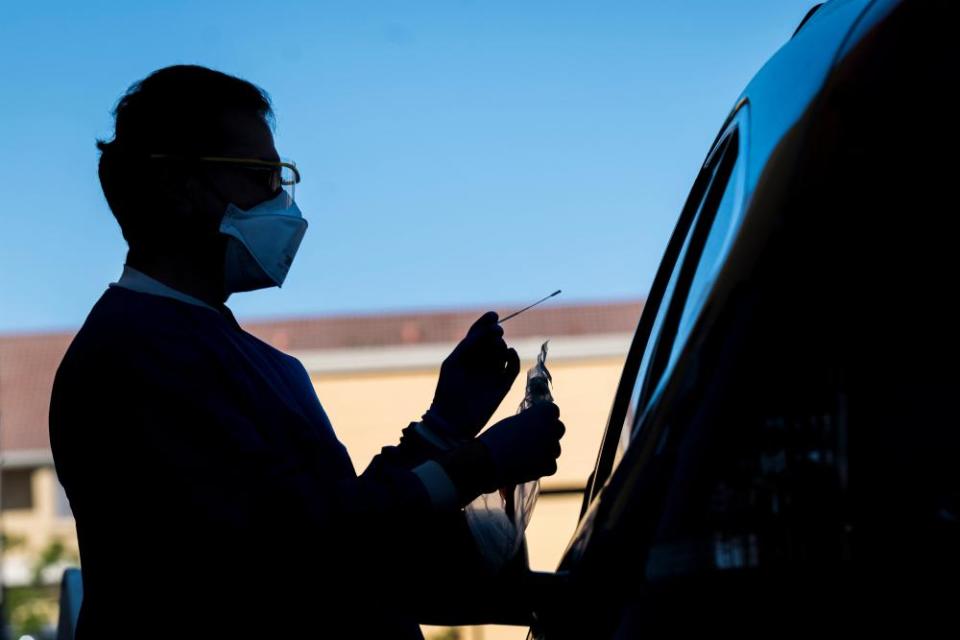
x: 498, y: 519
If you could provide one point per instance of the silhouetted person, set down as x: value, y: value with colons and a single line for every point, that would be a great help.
x: 212, y: 497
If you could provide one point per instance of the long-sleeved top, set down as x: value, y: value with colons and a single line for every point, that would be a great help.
x: 212, y: 496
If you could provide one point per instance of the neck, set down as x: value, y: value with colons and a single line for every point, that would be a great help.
x: 199, y: 277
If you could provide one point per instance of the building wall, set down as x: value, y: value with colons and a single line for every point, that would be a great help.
x: 369, y: 409
x: 37, y: 527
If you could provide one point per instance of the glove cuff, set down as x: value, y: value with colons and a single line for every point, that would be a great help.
x: 441, y: 430
x: 471, y: 469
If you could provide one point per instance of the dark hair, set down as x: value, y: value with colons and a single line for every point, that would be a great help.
x: 176, y: 110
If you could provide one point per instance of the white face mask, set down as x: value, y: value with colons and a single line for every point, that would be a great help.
x: 262, y: 243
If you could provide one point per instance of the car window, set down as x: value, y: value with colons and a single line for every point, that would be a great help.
x: 696, y: 273
x: 723, y: 229
x: 660, y: 305
x: 636, y: 399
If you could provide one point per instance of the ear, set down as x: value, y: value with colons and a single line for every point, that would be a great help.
x: 202, y: 202
x: 173, y: 193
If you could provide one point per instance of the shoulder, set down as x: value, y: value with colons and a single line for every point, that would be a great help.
x: 127, y: 332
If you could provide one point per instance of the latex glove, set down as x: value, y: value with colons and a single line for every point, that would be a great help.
x: 525, y: 446
x: 515, y: 450
x: 474, y: 379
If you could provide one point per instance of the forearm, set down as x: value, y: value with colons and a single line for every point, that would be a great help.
x: 420, y: 441
x: 454, y: 470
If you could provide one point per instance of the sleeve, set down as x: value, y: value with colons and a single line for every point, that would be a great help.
x: 483, y: 529
x: 459, y: 587
x: 421, y: 453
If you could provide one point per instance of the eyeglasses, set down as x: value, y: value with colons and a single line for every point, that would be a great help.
x: 278, y: 174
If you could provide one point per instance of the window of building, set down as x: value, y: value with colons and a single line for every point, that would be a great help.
x: 16, y: 489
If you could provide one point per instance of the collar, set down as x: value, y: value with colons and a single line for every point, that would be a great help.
x: 139, y: 281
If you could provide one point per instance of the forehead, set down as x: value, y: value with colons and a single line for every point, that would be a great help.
x: 247, y: 136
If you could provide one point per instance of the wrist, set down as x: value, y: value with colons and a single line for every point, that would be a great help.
x: 420, y: 445
x: 471, y: 469
x: 436, y: 441
x: 441, y: 428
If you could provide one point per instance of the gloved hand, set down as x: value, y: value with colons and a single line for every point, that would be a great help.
x: 515, y: 450
x: 474, y: 379
x: 525, y: 446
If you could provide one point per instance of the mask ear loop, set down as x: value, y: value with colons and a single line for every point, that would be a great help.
x: 217, y: 237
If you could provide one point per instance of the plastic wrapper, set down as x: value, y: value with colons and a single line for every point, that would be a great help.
x: 499, y: 519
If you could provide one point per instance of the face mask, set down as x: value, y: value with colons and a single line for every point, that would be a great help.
x: 262, y: 243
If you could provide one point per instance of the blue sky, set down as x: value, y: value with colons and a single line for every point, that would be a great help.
x: 455, y: 153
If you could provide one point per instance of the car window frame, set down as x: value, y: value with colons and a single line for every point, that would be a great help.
x: 661, y: 360
x: 733, y: 130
